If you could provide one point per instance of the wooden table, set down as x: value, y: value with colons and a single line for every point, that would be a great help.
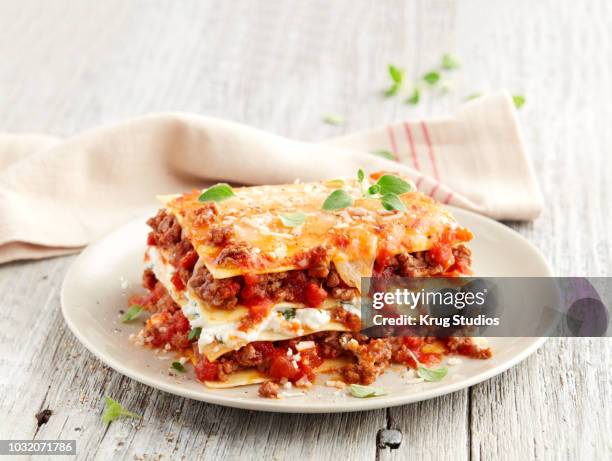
x: 282, y: 66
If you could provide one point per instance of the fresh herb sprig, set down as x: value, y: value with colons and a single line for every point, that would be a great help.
x: 337, y: 200
x: 178, y: 366
x: 392, y: 202
x: 363, y: 392
x: 390, y: 184
x: 384, y: 154
x: 333, y: 119
x: 388, y: 188
x: 132, y: 313
x: 518, y: 100
x: 114, y: 410
x: 217, y: 193
x: 194, y: 333
x: 432, y: 77
x: 415, y: 98
x: 431, y: 374
x: 397, y: 79
x: 428, y: 374
x: 449, y: 62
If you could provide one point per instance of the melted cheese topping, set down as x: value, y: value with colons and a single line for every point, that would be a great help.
x: 353, y: 236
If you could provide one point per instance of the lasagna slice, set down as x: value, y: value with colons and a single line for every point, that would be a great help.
x: 262, y: 284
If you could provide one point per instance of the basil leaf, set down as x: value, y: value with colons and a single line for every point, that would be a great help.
x: 397, y: 74
x: 431, y: 77
x: 337, y: 200
x: 194, y: 333
x: 518, y: 100
x: 392, y: 202
x: 393, y: 90
x: 113, y: 410
x: 289, y: 314
x: 178, y: 366
x: 431, y: 374
x: 292, y: 219
x: 216, y: 193
x: 390, y: 184
x: 414, y: 98
x: 333, y: 119
x: 449, y: 62
x: 384, y: 154
x: 360, y: 178
x: 362, y: 392
x: 373, y: 190
x: 133, y: 312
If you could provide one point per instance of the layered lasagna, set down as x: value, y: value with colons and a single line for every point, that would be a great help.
x: 262, y: 284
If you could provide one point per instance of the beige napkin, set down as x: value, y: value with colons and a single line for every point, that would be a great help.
x: 57, y: 195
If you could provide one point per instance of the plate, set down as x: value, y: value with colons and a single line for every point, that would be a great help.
x: 107, y: 272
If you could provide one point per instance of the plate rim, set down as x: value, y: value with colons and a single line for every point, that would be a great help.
x: 276, y: 406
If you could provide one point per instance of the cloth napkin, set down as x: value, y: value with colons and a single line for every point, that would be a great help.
x: 58, y: 195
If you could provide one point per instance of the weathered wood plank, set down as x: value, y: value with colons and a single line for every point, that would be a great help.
x: 282, y: 66
x: 551, y: 406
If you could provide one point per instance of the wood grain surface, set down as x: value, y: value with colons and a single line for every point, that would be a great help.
x: 282, y: 66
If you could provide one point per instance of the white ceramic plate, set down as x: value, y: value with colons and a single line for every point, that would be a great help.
x: 99, y: 282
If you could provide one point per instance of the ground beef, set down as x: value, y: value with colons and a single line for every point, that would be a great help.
x: 249, y: 357
x: 167, y: 234
x: 421, y: 264
x: 316, y: 279
x: 416, y: 265
x: 267, y: 286
x: 372, y: 360
x: 221, y: 293
x: 333, y: 279
x: 329, y: 344
x: 269, y: 390
x: 205, y: 214
x: 292, y: 286
x: 156, y: 299
x: 239, y: 254
x: 351, y: 321
x: 296, y: 286
x: 166, y: 230
x: 226, y: 367
x: 465, y: 346
x: 315, y: 261
x: 369, y: 357
x: 400, y: 352
x: 318, y: 265
x: 168, y: 330
x: 183, y: 257
x: 221, y: 235
x: 148, y: 279
x: 344, y: 293
x: 463, y: 257
x: 336, y: 286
